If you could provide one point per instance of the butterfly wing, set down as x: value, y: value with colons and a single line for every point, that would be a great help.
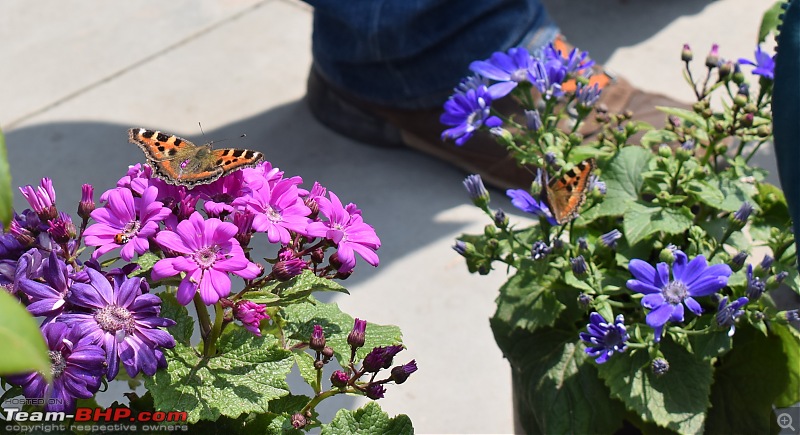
x: 159, y: 147
x: 234, y: 159
x: 566, y: 195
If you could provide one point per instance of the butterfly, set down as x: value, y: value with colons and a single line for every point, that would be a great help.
x: 565, y: 195
x: 180, y: 162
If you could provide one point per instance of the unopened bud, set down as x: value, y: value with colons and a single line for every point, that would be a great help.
x: 686, y: 53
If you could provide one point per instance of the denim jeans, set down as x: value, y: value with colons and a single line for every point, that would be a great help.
x: 410, y: 54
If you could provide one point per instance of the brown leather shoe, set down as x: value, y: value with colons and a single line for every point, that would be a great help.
x: 421, y: 130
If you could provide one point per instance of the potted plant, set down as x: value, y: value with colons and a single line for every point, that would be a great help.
x: 177, y: 235
x: 636, y: 296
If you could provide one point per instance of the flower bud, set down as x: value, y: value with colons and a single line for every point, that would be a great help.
x: 660, y: 366
x: 476, y: 190
x: 739, y: 218
x: 288, y: 269
x: 763, y: 131
x: 738, y: 75
x: 725, y: 71
x: 585, y: 301
x: 738, y: 260
x: 664, y: 151
x: 327, y: 352
x: 401, y: 373
x: 317, y: 341
x: 319, y: 364
x: 500, y: 218
x: 86, y: 206
x: 356, y: 337
x: 465, y: 249
x: 579, y: 267
x: 686, y: 53
x: 583, y: 244
x: 339, y: 379
x: 318, y: 255
x: 375, y: 391
x: 712, y: 60
x: 533, y: 120
x: 792, y: 315
x: 298, y: 421
x: 610, y: 238
x: 539, y: 250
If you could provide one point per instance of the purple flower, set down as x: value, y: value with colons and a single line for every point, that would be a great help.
x: 466, y: 113
x: 278, y: 209
x: 220, y: 194
x: 42, y: 198
x: 755, y: 286
x: 48, y: 298
x: 604, y: 338
x: 610, y: 238
x: 587, y: 95
x: 575, y: 62
x: 123, y: 321
x: 728, y: 313
x: 348, y: 231
x: 250, y: 314
x: 547, y: 77
x: 666, y: 298
x: 401, y: 373
x: 209, y: 252
x: 764, y: 64
x: 61, y: 229
x: 381, y: 358
x: 317, y: 341
x: 508, y: 69
x: 339, y: 379
x: 77, y: 367
x: 86, y: 206
x: 375, y: 391
x: 356, y: 337
x: 523, y: 200
x: 125, y: 221
x: 285, y: 270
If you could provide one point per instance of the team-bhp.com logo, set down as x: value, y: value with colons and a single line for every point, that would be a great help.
x: 93, y: 419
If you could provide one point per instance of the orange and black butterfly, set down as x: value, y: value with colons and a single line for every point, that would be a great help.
x: 565, y: 195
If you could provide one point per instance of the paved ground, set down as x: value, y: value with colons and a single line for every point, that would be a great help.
x: 76, y: 75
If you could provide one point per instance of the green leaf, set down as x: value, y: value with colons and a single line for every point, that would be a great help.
x: 262, y: 297
x: 171, y: 309
x: 552, y: 378
x: 770, y: 21
x: 657, y: 137
x: 369, y: 419
x: 710, y: 344
x: 735, y: 193
x: 146, y: 262
x: 6, y: 194
x: 526, y: 301
x: 24, y: 349
x: 244, y: 377
x: 582, y: 152
x: 642, y: 220
x: 705, y: 192
x: 623, y: 177
x: 716, y: 229
x: 741, y: 399
x: 676, y: 400
x: 300, y: 286
x: 305, y: 363
x: 337, y: 325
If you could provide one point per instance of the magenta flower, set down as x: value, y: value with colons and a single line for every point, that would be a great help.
x: 42, y: 198
x: 348, y: 231
x: 278, y: 209
x: 122, y: 320
x: 48, y: 298
x: 209, y: 251
x: 250, y: 314
x: 125, y: 221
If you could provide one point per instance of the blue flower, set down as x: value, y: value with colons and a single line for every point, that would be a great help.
x: 610, y: 238
x: 547, y: 77
x: 755, y: 286
x: 664, y: 298
x: 575, y: 62
x: 508, y: 69
x: 603, y: 338
x: 525, y: 202
x: 728, y: 313
x: 764, y: 64
x: 587, y: 95
x: 77, y: 368
x: 466, y: 112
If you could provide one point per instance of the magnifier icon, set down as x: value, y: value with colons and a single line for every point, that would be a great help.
x: 785, y: 421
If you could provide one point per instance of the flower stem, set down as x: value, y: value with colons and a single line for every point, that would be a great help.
x: 210, y: 345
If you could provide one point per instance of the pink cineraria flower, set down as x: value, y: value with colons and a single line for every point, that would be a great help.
x: 125, y: 221
x: 250, y: 314
x: 209, y: 251
x: 261, y: 175
x: 278, y: 209
x: 346, y: 228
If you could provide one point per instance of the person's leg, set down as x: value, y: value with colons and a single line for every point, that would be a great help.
x: 410, y: 54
